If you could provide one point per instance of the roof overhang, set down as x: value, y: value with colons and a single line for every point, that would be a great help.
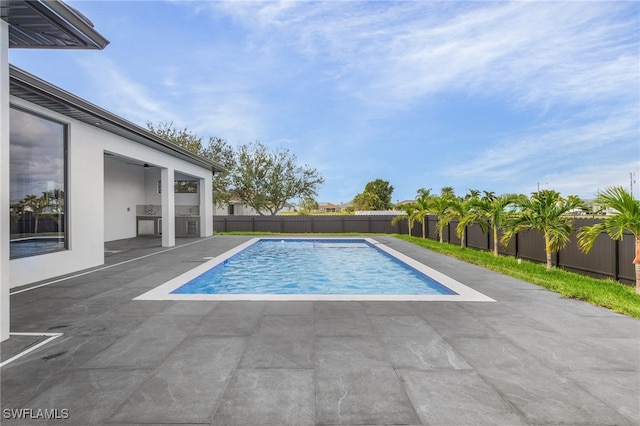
x: 37, y: 91
x: 48, y: 24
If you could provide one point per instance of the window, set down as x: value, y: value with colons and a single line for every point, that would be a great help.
x: 230, y: 210
x: 186, y: 186
x: 38, y: 183
x: 182, y: 187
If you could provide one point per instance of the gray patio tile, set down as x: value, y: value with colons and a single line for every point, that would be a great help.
x: 497, y: 309
x: 190, y: 307
x: 358, y: 326
x: 451, y: 320
x: 18, y: 344
x: 231, y: 319
x: 350, y: 351
x: 102, y: 302
x: 268, y: 397
x: 619, y: 351
x: 109, y: 324
x: 411, y: 343
x: 457, y: 398
x: 365, y: 394
x: 188, y: 386
x: 90, y: 396
x: 284, y: 341
x: 519, y: 349
x: 158, y: 424
x: 147, y: 345
x: 121, y: 320
x: 543, y: 395
x: 43, y: 368
x: 18, y: 301
x: 338, y: 310
x: 548, y: 397
x: 620, y: 389
x: 147, y: 281
x: 289, y: 308
x: 613, y: 326
x: 387, y: 308
x: 552, y: 348
x: 355, y: 384
x: 571, y: 324
x: 32, y: 316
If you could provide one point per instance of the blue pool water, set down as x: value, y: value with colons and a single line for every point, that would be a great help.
x: 32, y: 246
x: 313, y: 267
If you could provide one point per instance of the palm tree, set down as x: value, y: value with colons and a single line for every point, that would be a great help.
x: 409, y: 216
x: 37, y: 206
x: 491, y: 211
x: 423, y: 208
x: 440, y: 205
x: 460, y: 208
x: 546, y: 212
x: 625, y: 218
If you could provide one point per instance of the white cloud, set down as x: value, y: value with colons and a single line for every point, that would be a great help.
x: 119, y: 91
x: 392, y: 53
x: 578, y: 156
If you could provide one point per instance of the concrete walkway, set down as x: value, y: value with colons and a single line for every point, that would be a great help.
x: 529, y: 358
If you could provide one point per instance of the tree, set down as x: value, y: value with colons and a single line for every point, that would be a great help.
x: 219, y: 151
x: 440, y: 205
x: 376, y: 196
x: 36, y: 205
x: 491, y: 211
x: 307, y: 205
x: 259, y: 178
x: 409, y: 216
x: 546, y: 212
x: 366, y: 201
x: 625, y: 218
x: 181, y: 137
x: 460, y: 208
x: 423, y: 208
x: 266, y: 180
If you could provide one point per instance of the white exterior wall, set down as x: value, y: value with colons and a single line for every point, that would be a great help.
x: 4, y: 181
x: 84, y: 207
x: 123, y: 190
x: 98, y: 199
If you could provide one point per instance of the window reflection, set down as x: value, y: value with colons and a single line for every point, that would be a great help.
x: 38, y: 184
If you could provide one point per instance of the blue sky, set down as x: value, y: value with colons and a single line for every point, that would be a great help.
x: 496, y: 96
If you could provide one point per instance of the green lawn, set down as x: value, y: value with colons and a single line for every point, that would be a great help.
x: 607, y: 293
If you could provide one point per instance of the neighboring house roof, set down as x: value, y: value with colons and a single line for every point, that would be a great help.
x: 33, y: 89
x: 49, y: 24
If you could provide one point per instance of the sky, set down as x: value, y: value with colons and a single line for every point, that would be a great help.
x: 508, y: 97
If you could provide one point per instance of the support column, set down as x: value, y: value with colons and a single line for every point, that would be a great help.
x: 5, y: 201
x: 168, y: 207
x: 206, y: 207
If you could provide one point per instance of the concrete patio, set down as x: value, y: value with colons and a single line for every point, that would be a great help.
x: 529, y: 358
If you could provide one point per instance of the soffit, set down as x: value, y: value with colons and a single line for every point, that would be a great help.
x: 49, y: 24
x: 32, y: 89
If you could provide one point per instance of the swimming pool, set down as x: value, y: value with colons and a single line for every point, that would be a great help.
x: 313, y: 269
x: 34, y: 245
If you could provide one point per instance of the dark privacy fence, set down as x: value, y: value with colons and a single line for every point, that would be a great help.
x: 607, y: 259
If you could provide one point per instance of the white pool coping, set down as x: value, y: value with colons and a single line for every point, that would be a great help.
x: 464, y: 293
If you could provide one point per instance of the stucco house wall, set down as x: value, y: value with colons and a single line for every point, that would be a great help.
x: 102, y: 196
